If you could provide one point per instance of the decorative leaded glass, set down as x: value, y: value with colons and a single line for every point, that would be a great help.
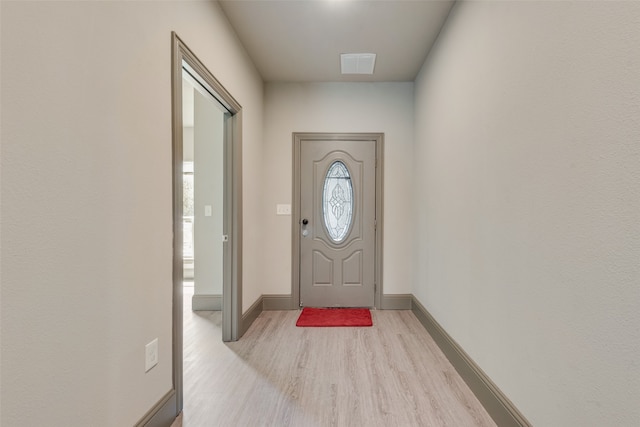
x: 337, y: 201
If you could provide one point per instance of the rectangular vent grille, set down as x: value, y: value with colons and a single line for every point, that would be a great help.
x: 357, y: 63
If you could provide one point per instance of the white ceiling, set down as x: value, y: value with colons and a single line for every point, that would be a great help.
x: 301, y: 40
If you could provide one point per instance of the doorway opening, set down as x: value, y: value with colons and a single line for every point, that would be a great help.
x: 207, y: 209
x: 203, y: 235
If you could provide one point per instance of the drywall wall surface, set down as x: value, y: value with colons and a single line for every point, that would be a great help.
x: 338, y: 107
x: 86, y: 199
x: 527, y: 213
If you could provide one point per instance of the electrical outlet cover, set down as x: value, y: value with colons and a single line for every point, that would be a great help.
x: 151, y: 355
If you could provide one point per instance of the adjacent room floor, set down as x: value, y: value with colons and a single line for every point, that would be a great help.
x: 391, y: 374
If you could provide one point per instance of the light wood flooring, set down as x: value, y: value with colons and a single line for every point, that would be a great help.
x: 391, y: 374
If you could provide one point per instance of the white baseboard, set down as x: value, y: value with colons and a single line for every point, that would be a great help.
x: 206, y: 303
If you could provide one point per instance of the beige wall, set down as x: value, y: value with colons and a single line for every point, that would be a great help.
x: 337, y: 107
x: 527, y: 173
x: 86, y: 200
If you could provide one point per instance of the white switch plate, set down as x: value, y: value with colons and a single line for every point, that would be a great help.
x: 283, y: 209
x: 151, y: 355
x: 207, y: 210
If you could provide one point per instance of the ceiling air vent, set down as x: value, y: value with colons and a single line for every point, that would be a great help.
x: 357, y: 63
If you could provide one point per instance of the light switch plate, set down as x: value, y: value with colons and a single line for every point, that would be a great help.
x: 283, y: 209
x: 207, y: 210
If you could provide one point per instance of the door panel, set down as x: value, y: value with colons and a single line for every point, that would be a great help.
x: 352, y: 270
x: 337, y: 231
x: 322, y: 270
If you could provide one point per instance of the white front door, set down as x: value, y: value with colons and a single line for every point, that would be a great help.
x: 337, y: 223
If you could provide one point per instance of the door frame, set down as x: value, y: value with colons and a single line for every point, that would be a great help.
x: 298, y: 139
x: 232, y: 283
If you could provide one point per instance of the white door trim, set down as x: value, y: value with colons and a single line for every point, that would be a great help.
x: 298, y: 137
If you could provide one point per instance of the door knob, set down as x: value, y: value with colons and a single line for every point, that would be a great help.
x: 305, y: 221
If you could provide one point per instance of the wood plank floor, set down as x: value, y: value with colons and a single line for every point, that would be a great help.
x: 391, y: 374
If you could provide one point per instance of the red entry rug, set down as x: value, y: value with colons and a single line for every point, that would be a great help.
x: 320, y: 317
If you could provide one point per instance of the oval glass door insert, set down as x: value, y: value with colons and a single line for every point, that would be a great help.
x: 337, y: 201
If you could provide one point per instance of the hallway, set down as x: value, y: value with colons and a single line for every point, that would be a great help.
x: 511, y: 190
x: 281, y: 375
